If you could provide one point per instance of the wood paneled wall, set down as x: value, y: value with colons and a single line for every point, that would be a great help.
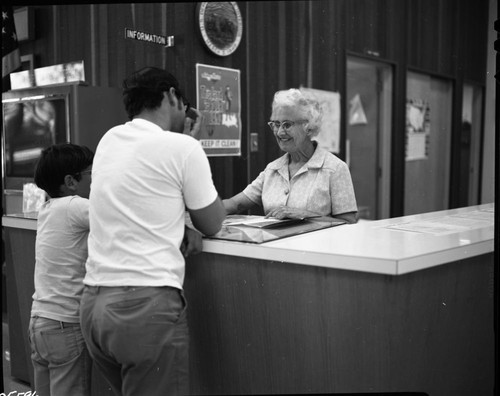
x: 285, y: 44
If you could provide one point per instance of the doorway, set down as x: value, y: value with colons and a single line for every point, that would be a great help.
x: 470, y: 145
x: 428, y: 143
x: 368, y: 134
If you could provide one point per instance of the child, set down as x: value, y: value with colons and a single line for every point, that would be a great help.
x: 59, y: 355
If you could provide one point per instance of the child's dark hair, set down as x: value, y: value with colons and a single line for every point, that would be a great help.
x: 59, y: 160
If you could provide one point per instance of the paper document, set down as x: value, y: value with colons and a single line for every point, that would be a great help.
x: 260, y: 222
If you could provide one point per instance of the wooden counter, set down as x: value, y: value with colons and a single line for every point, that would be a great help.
x: 404, y: 304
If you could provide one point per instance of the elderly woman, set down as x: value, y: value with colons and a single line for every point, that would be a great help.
x: 307, y: 181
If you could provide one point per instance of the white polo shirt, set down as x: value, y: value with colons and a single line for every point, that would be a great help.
x: 143, y: 178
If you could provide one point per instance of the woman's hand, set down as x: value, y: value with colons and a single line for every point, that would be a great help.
x: 287, y: 212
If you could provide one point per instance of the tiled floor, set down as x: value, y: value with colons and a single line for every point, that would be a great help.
x: 10, y: 384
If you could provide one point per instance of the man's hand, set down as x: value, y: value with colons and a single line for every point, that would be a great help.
x: 193, y: 126
x: 192, y: 243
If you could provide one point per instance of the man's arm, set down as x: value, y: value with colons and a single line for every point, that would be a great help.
x: 192, y: 242
x: 237, y: 204
x: 208, y: 220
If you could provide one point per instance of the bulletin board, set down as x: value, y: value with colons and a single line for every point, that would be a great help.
x: 329, y: 134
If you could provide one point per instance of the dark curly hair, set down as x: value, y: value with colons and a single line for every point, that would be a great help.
x: 144, y: 89
x: 59, y: 160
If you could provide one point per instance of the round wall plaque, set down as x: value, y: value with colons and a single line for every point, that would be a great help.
x: 221, y: 26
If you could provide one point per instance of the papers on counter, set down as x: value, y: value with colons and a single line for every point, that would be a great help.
x: 449, y: 224
x: 259, y: 221
x: 258, y: 229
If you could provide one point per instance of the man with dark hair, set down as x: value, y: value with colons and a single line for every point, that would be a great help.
x: 146, y: 172
x: 61, y: 361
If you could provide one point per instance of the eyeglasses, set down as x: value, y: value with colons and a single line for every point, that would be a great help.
x: 286, y: 125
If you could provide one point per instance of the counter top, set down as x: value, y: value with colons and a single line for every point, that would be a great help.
x: 393, y: 246
x: 20, y: 220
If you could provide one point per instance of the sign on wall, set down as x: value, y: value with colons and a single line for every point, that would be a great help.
x: 417, y: 129
x: 329, y: 134
x: 219, y: 100
x: 221, y: 26
x: 166, y: 41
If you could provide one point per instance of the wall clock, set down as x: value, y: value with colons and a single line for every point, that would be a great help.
x: 221, y: 26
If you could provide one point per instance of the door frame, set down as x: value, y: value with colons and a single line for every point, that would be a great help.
x: 385, y: 126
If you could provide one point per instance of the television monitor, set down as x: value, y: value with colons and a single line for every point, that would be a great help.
x: 30, y: 125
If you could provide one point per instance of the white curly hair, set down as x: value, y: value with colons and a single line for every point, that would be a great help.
x: 306, y: 105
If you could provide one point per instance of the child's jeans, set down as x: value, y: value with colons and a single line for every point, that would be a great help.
x: 60, y: 358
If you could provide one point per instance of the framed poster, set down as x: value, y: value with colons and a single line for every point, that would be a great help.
x: 219, y: 100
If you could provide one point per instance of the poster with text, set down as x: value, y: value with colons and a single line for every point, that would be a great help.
x: 218, y: 98
x: 417, y: 129
x: 329, y: 134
